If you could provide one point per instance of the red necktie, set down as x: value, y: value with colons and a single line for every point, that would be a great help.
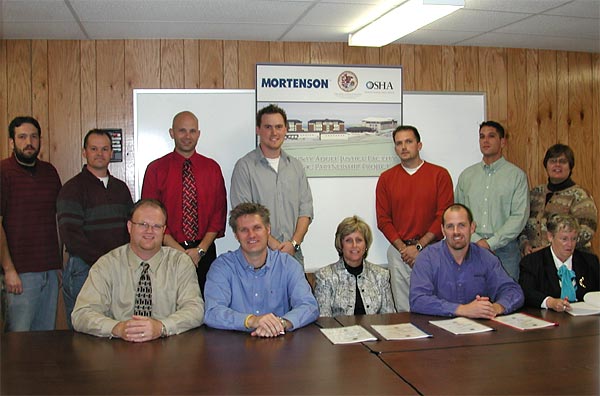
x: 190, y: 203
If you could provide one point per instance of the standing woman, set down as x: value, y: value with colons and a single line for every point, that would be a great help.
x: 352, y: 285
x: 559, y: 196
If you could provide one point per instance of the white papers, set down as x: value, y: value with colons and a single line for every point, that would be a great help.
x: 401, y: 331
x: 583, y: 309
x: 461, y: 326
x: 592, y: 298
x: 348, y: 335
x: 523, y: 322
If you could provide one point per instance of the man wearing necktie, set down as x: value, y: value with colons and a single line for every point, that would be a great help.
x: 192, y: 189
x: 559, y: 274
x: 140, y: 291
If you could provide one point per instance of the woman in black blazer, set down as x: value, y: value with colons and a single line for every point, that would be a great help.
x: 539, y: 277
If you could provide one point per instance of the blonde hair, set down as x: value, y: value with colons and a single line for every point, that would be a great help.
x: 350, y: 225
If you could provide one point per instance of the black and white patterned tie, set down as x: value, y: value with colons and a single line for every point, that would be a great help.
x: 143, y: 294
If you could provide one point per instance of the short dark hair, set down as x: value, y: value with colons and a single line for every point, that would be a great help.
x: 496, y: 125
x: 155, y: 203
x: 100, y: 132
x: 18, y: 121
x: 455, y: 207
x: 557, y: 150
x: 271, y: 109
x: 406, y: 128
x: 248, y: 208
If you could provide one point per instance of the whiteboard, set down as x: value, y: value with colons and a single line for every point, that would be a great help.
x: 448, y: 124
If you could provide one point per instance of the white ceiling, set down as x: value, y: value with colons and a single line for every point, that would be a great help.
x: 572, y: 25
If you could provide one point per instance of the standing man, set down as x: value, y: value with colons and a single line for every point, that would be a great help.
x: 140, y: 291
x: 29, y: 247
x: 192, y: 189
x: 92, y: 208
x: 254, y: 288
x: 455, y: 277
x: 269, y: 176
x: 410, y: 199
x: 498, y: 194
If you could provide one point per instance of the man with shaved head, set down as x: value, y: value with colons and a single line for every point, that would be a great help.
x: 192, y: 189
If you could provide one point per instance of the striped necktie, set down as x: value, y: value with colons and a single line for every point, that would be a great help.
x: 190, y: 203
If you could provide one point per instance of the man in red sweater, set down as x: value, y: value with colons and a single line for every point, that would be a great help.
x: 410, y: 200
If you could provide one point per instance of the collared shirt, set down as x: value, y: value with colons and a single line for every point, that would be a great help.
x: 163, y: 181
x: 92, y: 218
x: 286, y: 193
x: 335, y: 289
x: 498, y: 196
x: 108, y: 294
x: 28, y: 210
x: 234, y: 290
x: 438, y: 284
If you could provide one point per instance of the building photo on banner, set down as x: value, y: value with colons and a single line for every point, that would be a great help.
x: 448, y: 123
x: 340, y: 118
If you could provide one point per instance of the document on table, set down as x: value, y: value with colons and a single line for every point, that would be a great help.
x: 400, y: 331
x: 348, y: 335
x: 461, y: 326
x: 583, y: 309
x: 523, y: 321
x: 589, y: 306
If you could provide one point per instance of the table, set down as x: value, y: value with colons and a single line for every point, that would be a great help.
x: 568, y: 326
x: 201, y: 361
x: 564, y: 366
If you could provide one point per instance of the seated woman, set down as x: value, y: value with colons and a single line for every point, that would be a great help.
x: 352, y: 285
x: 559, y: 195
x: 559, y: 274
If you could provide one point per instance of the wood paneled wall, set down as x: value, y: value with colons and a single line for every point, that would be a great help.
x: 542, y: 97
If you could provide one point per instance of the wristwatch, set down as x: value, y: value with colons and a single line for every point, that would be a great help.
x: 163, y: 331
x: 419, y: 247
x: 296, y: 245
x: 201, y: 252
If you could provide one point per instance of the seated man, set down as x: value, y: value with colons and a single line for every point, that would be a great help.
x: 559, y: 274
x: 140, y: 291
x: 455, y: 277
x: 254, y: 288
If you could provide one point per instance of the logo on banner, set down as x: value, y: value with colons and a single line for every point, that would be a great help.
x: 347, y: 81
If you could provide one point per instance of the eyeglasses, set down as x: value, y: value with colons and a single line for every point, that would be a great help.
x: 562, y: 161
x: 146, y: 226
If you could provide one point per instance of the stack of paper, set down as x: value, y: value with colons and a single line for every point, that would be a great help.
x: 401, y: 331
x: 589, y: 306
x: 523, y: 321
x: 461, y: 326
x: 348, y: 335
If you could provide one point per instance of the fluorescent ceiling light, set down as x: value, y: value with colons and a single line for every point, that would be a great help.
x: 402, y: 20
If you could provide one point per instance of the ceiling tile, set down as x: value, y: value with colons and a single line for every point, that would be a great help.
x: 316, y: 33
x: 435, y: 37
x: 556, y: 26
x: 579, y: 8
x: 336, y: 14
x: 475, y: 21
x: 35, y: 10
x: 525, y: 6
x: 42, y: 30
x: 213, y: 11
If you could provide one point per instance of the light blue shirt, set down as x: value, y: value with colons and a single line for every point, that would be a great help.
x: 234, y: 290
x: 438, y: 285
x: 498, y: 196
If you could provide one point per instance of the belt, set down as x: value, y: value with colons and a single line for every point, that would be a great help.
x: 190, y: 244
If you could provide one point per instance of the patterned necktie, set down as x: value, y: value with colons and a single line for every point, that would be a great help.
x: 190, y: 203
x: 566, y: 283
x: 143, y: 294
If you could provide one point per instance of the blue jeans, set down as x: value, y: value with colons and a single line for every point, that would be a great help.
x: 510, y: 256
x: 35, y: 308
x: 74, y: 276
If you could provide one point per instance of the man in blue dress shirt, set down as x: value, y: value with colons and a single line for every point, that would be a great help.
x: 254, y: 288
x: 455, y: 277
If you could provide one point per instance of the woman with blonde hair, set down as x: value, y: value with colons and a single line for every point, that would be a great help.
x: 352, y: 285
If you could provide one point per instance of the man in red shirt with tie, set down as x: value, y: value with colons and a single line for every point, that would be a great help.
x: 192, y: 189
